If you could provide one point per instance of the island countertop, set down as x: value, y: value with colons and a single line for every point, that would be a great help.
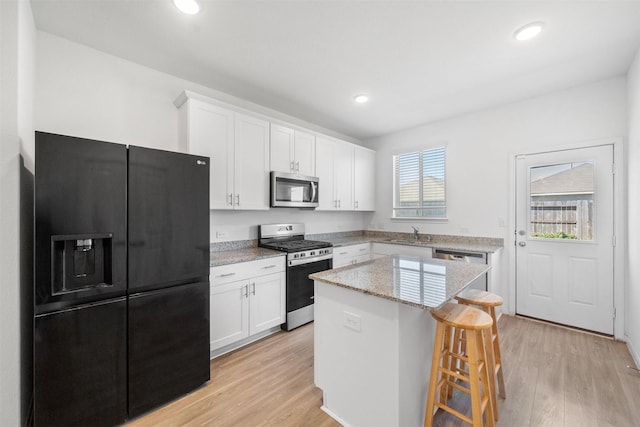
x: 419, y: 282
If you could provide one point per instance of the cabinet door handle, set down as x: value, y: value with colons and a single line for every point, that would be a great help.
x: 227, y: 275
x: 253, y: 288
x: 362, y: 249
x: 230, y: 199
x: 338, y: 204
x: 297, y: 166
x: 237, y: 200
x: 342, y: 253
x: 246, y: 291
x: 335, y: 203
x: 292, y: 165
x: 356, y: 204
x: 269, y: 266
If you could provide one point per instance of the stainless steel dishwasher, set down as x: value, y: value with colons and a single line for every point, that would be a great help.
x: 465, y: 256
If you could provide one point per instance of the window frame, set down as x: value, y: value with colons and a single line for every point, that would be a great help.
x: 421, y: 211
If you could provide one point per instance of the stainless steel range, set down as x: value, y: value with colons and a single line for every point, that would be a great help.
x: 304, y: 257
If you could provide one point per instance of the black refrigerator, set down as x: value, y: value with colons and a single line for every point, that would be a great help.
x: 121, y: 279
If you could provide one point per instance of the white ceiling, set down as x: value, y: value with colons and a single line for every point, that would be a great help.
x: 420, y: 61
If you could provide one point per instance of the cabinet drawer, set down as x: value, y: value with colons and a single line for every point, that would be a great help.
x: 244, y: 270
x: 352, y: 250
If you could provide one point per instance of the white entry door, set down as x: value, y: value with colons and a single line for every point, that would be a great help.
x: 564, y: 237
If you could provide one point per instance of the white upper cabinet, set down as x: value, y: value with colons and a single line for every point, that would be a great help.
x: 251, y: 178
x: 292, y: 150
x: 334, y: 168
x: 343, y: 175
x: 347, y: 175
x: 238, y: 148
x: 324, y: 171
x: 364, y: 161
x: 243, y: 148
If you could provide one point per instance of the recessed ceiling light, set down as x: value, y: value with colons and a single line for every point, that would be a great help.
x: 190, y: 7
x: 361, y: 99
x: 528, y: 32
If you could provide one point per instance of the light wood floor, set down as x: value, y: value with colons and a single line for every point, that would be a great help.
x: 554, y: 377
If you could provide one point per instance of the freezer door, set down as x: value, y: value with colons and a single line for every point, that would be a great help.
x: 80, y: 367
x: 168, y: 344
x: 168, y: 200
x: 80, y: 224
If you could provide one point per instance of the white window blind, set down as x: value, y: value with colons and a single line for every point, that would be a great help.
x: 419, y: 184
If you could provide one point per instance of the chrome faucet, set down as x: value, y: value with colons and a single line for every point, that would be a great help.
x: 415, y: 232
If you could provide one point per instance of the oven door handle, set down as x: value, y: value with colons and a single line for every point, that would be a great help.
x: 296, y: 262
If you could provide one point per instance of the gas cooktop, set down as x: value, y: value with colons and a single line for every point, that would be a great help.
x: 296, y: 245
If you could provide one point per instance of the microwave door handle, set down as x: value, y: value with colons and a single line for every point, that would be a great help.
x: 313, y: 192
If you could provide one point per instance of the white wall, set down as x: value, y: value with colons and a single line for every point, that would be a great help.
x: 480, y: 149
x: 17, y: 53
x: 632, y: 293
x: 87, y: 93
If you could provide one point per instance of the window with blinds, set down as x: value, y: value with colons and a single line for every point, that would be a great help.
x: 419, y: 184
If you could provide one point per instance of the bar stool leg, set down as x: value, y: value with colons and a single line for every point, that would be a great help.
x: 495, y: 343
x: 433, y: 381
x: 446, y: 390
x: 474, y: 381
x: 487, y: 336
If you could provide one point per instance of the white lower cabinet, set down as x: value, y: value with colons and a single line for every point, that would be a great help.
x: 246, y: 299
x: 351, y: 254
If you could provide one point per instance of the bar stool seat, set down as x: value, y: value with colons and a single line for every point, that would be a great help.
x: 477, y: 326
x: 488, y: 302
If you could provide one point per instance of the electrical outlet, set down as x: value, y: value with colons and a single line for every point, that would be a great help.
x: 221, y: 234
x: 352, y: 321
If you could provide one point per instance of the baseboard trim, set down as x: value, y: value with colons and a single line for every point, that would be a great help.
x: 244, y: 342
x: 634, y: 353
x: 335, y: 417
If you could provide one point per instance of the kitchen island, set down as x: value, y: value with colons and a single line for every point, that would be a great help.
x: 373, y: 336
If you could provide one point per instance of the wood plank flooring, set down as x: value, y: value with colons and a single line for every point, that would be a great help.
x: 554, y: 377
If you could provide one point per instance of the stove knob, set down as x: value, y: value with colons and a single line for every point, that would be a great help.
x: 312, y: 253
x: 295, y: 255
x: 301, y: 255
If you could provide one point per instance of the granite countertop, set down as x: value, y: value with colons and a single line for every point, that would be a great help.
x: 219, y: 258
x: 471, y: 244
x: 398, y: 278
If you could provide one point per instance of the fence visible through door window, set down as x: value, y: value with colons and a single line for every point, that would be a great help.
x: 562, y: 201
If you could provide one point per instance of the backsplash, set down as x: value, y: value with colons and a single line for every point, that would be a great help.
x: 434, y: 238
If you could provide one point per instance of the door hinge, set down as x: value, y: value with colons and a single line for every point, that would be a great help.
x: 613, y: 241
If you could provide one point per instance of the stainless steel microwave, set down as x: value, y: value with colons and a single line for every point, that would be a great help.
x: 290, y: 190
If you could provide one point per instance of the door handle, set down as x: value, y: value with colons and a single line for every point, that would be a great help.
x: 292, y: 166
x: 246, y: 291
x: 253, y: 288
x: 523, y: 244
x: 230, y: 199
x: 237, y: 200
x: 297, y: 166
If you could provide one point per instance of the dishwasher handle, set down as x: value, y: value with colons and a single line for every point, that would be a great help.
x: 462, y: 256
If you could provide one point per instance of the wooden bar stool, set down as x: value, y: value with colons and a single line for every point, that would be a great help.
x: 488, y: 303
x: 477, y: 327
